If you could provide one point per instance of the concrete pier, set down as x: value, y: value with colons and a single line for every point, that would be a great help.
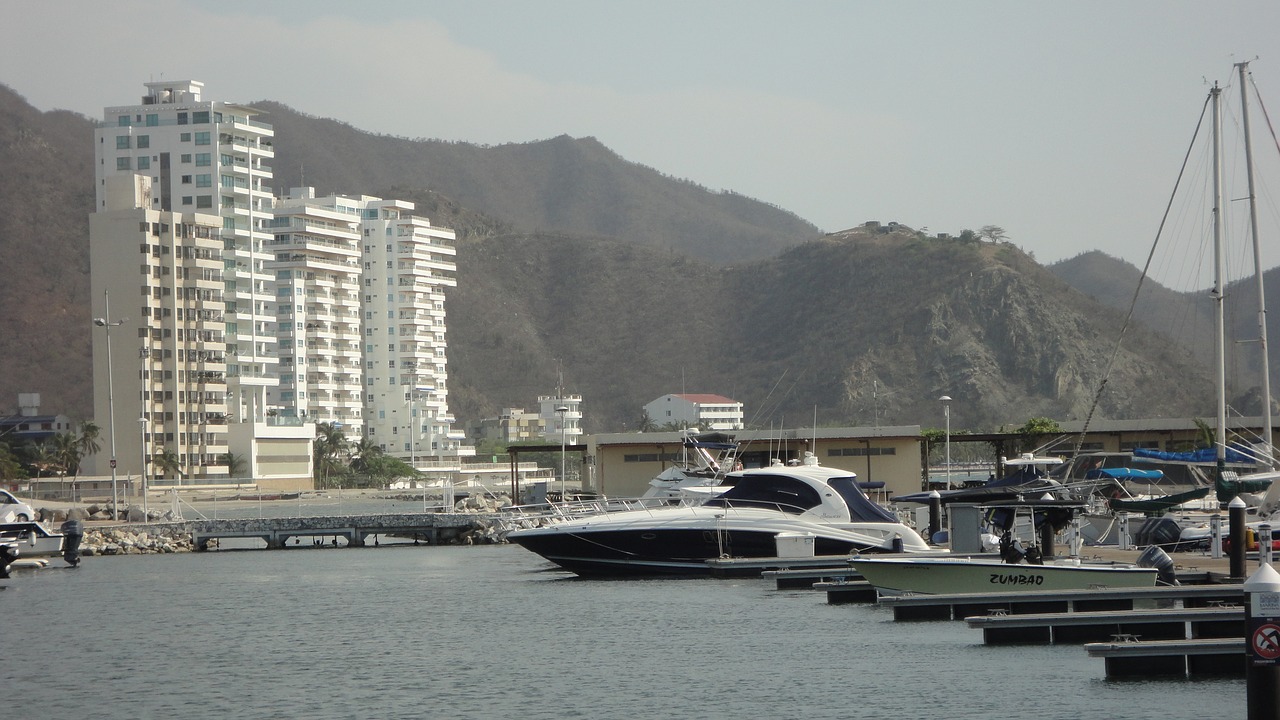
x: 431, y: 528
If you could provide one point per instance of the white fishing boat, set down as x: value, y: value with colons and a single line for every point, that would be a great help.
x: 947, y: 575
x: 31, y: 539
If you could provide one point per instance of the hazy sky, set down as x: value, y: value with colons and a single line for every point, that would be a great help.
x: 1063, y: 123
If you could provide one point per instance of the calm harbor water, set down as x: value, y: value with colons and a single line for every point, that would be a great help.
x: 492, y: 632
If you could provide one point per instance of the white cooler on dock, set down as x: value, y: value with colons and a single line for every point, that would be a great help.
x: 795, y: 545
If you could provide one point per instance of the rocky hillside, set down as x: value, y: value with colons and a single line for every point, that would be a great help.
x: 1187, y: 318
x: 46, y: 190
x: 563, y: 185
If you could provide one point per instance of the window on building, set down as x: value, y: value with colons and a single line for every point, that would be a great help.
x: 202, y: 138
x: 122, y: 120
x: 184, y: 137
x: 182, y: 118
x: 186, y: 179
x: 153, y: 119
x: 200, y: 117
x: 186, y: 199
x: 203, y: 159
x: 122, y: 163
x: 204, y: 201
x: 144, y: 162
x: 122, y: 142
x: 144, y: 141
x: 205, y: 180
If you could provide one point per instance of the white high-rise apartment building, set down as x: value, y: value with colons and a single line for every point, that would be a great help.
x: 317, y: 272
x: 192, y: 176
x: 162, y: 274
x: 361, y: 321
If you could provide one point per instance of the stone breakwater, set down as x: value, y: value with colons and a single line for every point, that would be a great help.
x: 137, y: 540
x: 188, y: 536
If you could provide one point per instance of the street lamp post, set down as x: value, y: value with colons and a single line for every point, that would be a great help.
x: 946, y: 412
x: 105, y: 323
x: 142, y: 469
x: 563, y: 412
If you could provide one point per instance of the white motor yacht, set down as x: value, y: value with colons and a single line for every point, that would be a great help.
x: 763, y: 507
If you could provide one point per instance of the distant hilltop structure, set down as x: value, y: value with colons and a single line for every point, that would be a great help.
x: 705, y: 411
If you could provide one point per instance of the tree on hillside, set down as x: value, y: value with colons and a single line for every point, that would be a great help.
x: 993, y: 233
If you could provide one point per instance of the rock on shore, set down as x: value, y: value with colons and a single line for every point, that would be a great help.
x: 136, y: 541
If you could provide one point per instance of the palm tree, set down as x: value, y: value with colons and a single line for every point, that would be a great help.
x: 364, y: 454
x: 40, y: 456
x: 10, y: 468
x: 235, y: 463
x: 166, y: 461
x: 66, y: 453
x: 329, y: 446
x: 88, y: 440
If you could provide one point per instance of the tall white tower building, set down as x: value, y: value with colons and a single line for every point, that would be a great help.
x: 317, y: 269
x: 196, y: 175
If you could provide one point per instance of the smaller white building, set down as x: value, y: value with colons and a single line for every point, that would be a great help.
x: 561, y: 418
x: 700, y: 410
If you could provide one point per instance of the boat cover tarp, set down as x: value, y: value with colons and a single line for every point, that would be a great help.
x: 1123, y: 473
x: 1203, y: 455
x: 1011, y: 488
x: 1156, y: 505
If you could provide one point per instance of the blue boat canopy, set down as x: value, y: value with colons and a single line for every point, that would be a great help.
x: 1123, y: 473
x: 1203, y: 455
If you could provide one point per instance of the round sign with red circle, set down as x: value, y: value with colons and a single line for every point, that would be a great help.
x: 1266, y: 641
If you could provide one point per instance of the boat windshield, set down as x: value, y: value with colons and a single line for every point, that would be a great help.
x: 861, y: 507
x: 776, y: 492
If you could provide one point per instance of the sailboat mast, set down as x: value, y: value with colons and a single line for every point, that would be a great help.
x: 1268, y: 457
x: 1219, y: 329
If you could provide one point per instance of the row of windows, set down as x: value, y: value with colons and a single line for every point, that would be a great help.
x: 198, y: 117
x: 861, y: 452
x: 125, y: 142
x: 652, y: 457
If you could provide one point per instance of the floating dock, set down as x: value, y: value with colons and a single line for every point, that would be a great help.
x: 963, y: 605
x: 1172, y: 658
x: 1129, y: 625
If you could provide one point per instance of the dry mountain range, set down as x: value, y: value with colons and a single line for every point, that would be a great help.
x: 632, y: 284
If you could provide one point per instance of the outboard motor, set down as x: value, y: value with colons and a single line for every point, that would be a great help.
x: 8, y: 553
x: 73, y: 533
x: 1154, y: 557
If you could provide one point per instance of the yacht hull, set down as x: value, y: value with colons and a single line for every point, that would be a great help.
x: 647, y: 551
